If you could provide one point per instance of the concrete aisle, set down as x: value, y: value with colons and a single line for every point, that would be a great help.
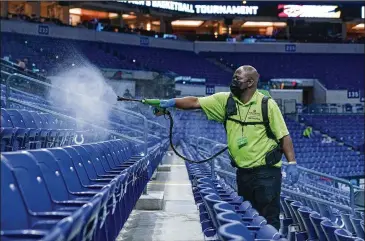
x: 179, y: 219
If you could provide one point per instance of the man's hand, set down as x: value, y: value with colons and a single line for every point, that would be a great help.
x: 292, y: 172
x: 168, y: 103
x: 186, y: 103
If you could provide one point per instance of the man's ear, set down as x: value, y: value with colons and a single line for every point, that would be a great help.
x: 251, y: 82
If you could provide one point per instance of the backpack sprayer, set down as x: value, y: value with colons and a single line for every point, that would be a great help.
x: 159, y: 111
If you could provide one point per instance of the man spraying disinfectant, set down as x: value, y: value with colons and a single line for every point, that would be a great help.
x: 256, y: 135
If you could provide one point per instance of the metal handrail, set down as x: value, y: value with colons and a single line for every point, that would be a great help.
x: 339, y: 206
x: 145, y: 121
x: 28, y: 104
x: 318, y: 200
x: 302, y: 169
x: 339, y: 180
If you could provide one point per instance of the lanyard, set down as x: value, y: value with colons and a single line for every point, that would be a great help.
x: 238, y: 108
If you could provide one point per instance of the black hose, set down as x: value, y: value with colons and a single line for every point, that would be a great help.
x: 181, y: 156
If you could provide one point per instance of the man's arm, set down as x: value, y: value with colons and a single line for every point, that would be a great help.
x: 288, y: 148
x: 213, y: 105
x: 280, y: 130
x: 187, y: 103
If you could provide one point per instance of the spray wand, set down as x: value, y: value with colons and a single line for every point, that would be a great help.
x: 158, y: 111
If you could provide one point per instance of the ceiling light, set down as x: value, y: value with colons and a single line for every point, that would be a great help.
x: 113, y: 15
x: 263, y: 24
x: 128, y: 16
x: 359, y: 26
x: 76, y: 11
x: 155, y: 22
x: 187, y: 23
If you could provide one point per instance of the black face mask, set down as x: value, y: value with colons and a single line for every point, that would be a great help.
x: 236, y: 89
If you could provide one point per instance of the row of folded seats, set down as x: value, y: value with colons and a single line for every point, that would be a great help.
x: 304, y: 220
x: 79, y: 193
x: 223, y: 214
x: 22, y: 129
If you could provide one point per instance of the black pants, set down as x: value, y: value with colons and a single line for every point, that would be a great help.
x: 261, y: 186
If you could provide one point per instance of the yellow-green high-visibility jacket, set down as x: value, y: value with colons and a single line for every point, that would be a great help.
x: 258, y: 144
x: 307, y: 132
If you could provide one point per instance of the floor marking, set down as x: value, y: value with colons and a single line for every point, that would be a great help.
x: 174, y: 165
x: 170, y: 183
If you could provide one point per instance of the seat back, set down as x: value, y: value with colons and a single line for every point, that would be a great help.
x: 5, y: 119
x: 68, y: 169
x: 234, y: 231
x: 16, y: 118
x: 259, y: 221
x: 65, y: 159
x: 227, y: 217
x: 109, y: 153
x: 45, y: 122
x: 96, y: 158
x: 52, y: 122
x: 295, y: 206
x: 316, y: 220
x: 251, y: 213
x: 13, y: 210
x: 345, y: 216
x: 117, y: 158
x: 304, y: 213
x: 51, y: 173
x: 222, y: 207
x: 104, y: 155
x: 356, y: 222
x: 329, y: 228
x: 76, y: 157
x: 30, y: 180
x: 209, y: 201
x: 28, y: 119
x: 91, y: 158
x: 343, y: 235
x: 37, y: 119
x: 268, y: 232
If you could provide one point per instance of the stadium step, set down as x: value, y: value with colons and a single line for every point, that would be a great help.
x: 179, y: 219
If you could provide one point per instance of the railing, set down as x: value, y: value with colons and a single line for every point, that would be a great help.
x: 333, y: 109
x: 216, y: 170
x: 144, y: 131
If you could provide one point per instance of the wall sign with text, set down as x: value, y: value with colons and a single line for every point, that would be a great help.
x: 290, y: 48
x: 353, y: 94
x: 308, y: 11
x: 209, y: 89
x: 144, y: 41
x: 43, y: 29
x: 198, y: 9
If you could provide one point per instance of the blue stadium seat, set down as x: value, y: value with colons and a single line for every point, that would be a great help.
x: 359, y: 229
x: 343, y: 235
x: 22, y: 223
x: 268, y: 232
x: 31, y: 141
x: 19, y: 132
x: 227, y: 217
x: 234, y: 231
x: 329, y: 228
x: 6, y: 132
x: 304, y: 213
x: 316, y: 220
x: 348, y: 224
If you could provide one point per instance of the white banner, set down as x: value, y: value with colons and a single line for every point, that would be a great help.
x: 308, y: 11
